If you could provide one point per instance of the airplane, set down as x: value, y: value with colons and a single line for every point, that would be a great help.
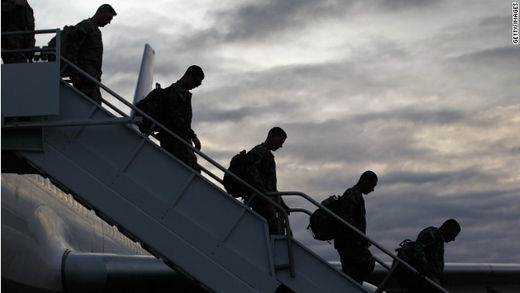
x: 53, y: 243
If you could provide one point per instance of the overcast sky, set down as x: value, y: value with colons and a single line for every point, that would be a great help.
x: 424, y: 93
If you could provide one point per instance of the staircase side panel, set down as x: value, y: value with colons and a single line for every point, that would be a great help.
x: 313, y: 274
x: 72, y: 105
x: 182, y: 217
x: 245, y: 265
x: 164, y: 180
x: 133, y: 184
x: 24, y: 84
x: 252, y: 246
x: 234, y: 226
x: 165, y: 186
x: 140, y: 226
x: 207, y: 205
x: 160, y: 188
x: 125, y: 152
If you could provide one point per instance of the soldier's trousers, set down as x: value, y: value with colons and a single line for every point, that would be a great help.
x: 412, y: 283
x: 356, y: 261
x: 181, y: 151
x: 90, y: 89
x: 274, y: 217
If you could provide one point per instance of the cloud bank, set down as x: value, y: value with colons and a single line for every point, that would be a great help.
x: 424, y: 93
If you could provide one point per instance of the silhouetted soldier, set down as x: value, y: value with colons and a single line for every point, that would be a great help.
x: 17, y: 15
x: 83, y: 46
x: 261, y: 173
x: 356, y: 259
x: 178, y: 114
x: 429, y: 257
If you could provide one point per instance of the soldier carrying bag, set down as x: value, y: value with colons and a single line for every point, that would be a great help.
x: 406, y: 252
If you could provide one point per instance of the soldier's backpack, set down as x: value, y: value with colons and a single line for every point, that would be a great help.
x: 68, y: 35
x: 322, y: 225
x: 237, y: 166
x: 151, y: 105
x: 406, y: 252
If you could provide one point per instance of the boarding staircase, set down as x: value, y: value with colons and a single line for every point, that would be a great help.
x: 176, y: 213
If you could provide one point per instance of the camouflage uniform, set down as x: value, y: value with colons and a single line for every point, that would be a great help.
x: 356, y: 259
x: 429, y: 260
x: 261, y: 173
x: 177, y: 116
x: 17, y: 18
x: 83, y: 46
x: 429, y: 251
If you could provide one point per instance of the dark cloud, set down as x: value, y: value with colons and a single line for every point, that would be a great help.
x: 489, y: 75
x: 358, y: 137
x: 406, y: 4
x: 394, y: 216
x: 265, y: 18
x: 441, y: 178
x: 398, y: 216
x: 300, y: 84
x: 253, y: 22
x: 253, y: 112
x: 394, y: 98
x: 499, y: 56
x: 385, y: 104
x: 414, y: 115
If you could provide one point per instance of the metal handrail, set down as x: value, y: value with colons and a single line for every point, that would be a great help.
x: 46, y: 31
x: 254, y: 190
x: 35, y: 49
x: 356, y: 230
x: 25, y: 50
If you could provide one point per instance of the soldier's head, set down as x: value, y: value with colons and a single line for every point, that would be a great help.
x: 367, y: 182
x: 449, y: 230
x: 275, y: 138
x: 104, y: 15
x: 192, y: 78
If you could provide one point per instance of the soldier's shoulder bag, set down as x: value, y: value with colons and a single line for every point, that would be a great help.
x: 237, y: 166
x: 322, y: 225
x: 67, y: 35
x: 151, y: 105
x: 406, y: 251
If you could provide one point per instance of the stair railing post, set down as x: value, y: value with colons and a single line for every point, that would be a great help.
x: 290, y: 249
x: 382, y: 286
